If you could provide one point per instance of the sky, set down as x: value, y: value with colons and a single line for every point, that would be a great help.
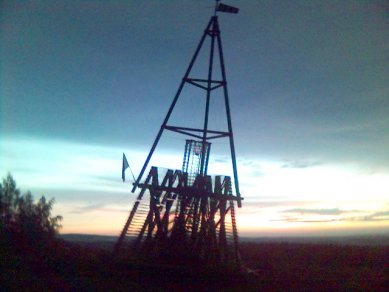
x: 81, y: 82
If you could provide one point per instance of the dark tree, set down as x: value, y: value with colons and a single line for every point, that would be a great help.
x: 9, y: 197
x: 20, y: 214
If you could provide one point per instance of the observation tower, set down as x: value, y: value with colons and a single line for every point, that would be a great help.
x: 187, y: 215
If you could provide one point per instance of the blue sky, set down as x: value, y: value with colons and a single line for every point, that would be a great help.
x: 83, y: 81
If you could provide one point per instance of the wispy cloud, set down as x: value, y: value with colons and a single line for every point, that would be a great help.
x: 86, y: 181
x: 222, y: 159
x: 331, y: 215
x: 276, y: 203
x: 332, y: 211
x: 377, y: 216
x: 100, y: 208
x: 86, y: 208
x: 300, y: 220
x: 300, y: 164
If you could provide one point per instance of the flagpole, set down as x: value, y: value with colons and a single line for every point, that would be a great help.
x: 216, y: 5
x: 133, y: 176
x: 126, y: 165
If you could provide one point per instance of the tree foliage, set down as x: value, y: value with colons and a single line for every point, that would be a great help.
x: 20, y: 214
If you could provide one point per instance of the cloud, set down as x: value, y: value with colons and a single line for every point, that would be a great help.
x: 222, y: 159
x: 377, y: 216
x: 331, y: 215
x: 382, y: 213
x: 101, y: 207
x: 86, y: 209
x: 257, y: 173
x: 294, y: 219
x: 300, y: 164
x: 333, y: 211
x: 86, y: 181
x: 275, y: 203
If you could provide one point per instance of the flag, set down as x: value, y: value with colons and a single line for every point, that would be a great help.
x: 124, y: 167
x: 226, y: 8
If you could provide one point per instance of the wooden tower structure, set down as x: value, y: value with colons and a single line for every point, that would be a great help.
x: 186, y: 215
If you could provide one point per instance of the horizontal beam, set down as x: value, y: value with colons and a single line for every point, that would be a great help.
x: 189, y: 191
x: 204, y: 80
x: 218, y: 136
x: 174, y: 128
x: 195, y: 82
x: 198, y: 85
x: 185, y: 133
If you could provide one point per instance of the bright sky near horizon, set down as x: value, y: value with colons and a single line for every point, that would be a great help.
x: 83, y: 81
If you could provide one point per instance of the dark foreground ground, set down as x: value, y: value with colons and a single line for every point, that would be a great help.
x: 87, y: 265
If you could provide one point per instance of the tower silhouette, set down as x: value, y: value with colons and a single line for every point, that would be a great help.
x: 188, y: 215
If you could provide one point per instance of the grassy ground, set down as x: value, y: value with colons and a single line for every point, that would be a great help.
x: 64, y: 266
x: 319, y: 266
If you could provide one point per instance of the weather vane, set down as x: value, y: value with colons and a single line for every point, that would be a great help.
x: 225, y: 8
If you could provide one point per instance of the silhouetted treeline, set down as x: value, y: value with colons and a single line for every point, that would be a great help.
x: 27, y: 239
x: 21, y: 216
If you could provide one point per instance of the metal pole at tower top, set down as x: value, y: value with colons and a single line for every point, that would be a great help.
x: 216, y: 5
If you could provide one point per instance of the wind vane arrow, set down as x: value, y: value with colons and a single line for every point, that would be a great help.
x: 226, y: 8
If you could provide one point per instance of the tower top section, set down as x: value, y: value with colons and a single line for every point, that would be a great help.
x: 206, y: 86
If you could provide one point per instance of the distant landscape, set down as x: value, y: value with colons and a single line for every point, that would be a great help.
x: 298, y: 263
x: 74, y: 262
x: 107, y: 242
